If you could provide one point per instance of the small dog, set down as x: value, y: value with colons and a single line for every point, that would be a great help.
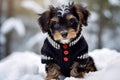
x: 65, y: 50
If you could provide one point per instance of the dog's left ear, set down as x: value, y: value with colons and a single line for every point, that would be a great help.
x: 86, y: 14
x: 83, y: 14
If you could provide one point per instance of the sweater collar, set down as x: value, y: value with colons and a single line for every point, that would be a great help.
x: 57, y: 45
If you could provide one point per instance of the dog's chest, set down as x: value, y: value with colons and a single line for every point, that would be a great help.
x: 65, y: 54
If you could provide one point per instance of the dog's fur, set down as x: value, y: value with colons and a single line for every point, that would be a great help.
x: 64, y: 25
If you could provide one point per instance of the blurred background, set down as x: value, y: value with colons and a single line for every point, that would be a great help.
x: 19, y: 29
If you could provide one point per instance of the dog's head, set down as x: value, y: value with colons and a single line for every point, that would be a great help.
x: 64, y: 22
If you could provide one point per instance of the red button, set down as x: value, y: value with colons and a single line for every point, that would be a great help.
x: 65, y: 59
x: 66, y: 52
x: 65, y: 46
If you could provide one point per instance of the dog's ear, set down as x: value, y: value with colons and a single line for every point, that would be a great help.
x: 44, y: 21
x: 86, y: 14
x: 83, y: 14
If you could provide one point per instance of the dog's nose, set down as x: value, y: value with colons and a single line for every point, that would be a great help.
x: 64, y: 34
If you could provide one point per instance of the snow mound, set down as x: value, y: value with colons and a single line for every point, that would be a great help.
x: 27, y: 66
x: 13, y: 23
x: 103, y: 57
x: 21, y: 66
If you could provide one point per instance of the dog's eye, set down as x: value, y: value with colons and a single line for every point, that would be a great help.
x: 54, y: 24
x: 72, y: 21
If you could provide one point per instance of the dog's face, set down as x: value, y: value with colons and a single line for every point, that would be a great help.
x: 65, y: 22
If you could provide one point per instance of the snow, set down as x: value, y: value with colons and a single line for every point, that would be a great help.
x: 27, y: 66
x: 36, y: 39
x: 114, y: 2
x: 102, y: 57
x: 32, y: 5
x: 2, y: 39
x: 13, y: 23
x: 107, y: 13
x: 94, y: 16
x: 21, y: 66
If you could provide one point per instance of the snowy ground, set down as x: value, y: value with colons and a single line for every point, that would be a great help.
x: 27, y: 66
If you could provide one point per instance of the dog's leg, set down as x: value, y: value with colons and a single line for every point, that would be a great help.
x: 79, y: 70
x: 74, y: 71
x: 90, y: 66
x: 53, y: 71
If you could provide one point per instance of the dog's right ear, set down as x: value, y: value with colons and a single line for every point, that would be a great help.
x: 44, y: 21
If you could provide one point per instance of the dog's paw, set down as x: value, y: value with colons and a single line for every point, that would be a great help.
x: 52, y: 72
x: 75, y: 73
x: 90, y: 65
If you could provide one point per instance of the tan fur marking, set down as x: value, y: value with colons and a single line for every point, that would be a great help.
x: 80, y: 17
x: 57, y: 36
x: 71, y: 33
x: 74, y: 72
x: 53, y: 73
x: 55, y: 19
x: 89, y: 66
x: 68, y: 17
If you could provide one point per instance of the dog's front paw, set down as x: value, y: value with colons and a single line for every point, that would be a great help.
x: 90, y: 65
x: 52, y: 72
x: 77, y: 71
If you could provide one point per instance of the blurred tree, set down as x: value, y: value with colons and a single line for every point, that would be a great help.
x: 107, y: 19
x: 101, y: 21
x: 2, y: 37
x: 1, y: 52
x: 0, y: 12
x: 10, y: 13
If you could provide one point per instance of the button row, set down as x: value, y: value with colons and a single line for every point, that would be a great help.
x: 66, y: 52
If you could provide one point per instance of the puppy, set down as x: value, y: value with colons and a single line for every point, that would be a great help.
x: 65, y: 50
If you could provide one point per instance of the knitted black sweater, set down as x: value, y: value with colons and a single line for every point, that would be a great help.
x: 65, y: 56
